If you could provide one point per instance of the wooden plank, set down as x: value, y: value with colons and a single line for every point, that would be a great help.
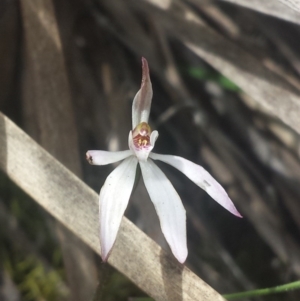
x: 75, y: 205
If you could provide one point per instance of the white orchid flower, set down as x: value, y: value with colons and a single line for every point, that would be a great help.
x: 116, y: 191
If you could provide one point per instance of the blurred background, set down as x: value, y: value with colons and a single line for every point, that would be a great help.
x: 68, y: 73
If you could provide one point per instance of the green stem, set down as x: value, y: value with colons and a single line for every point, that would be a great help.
x: 265, y: 291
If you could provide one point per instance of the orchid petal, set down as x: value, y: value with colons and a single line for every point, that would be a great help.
x: 168, y: 206
x: 142, y: 100
x: 113, y: 200
x: 130, y: 142
x: 201, y: 178
x: 153, y: 137
x: 96, y: 157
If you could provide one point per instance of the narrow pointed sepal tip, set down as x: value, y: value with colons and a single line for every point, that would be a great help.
x: 144, y: 62
x: 145, y: 67
x: 238, y: 214
x: 180, y: 251
x: 104, y: 259
x: 89, y: 158
x: 181, y: 259
x: 234, y: 211
x: 105, y: 255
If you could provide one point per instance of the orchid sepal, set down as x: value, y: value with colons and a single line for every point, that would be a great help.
x: 201, y: 178
x: 113, y: 200
x: 142, y: 100
x: 98, y: 157
x: 169, y: 208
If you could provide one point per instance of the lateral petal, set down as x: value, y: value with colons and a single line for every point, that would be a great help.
x: 98, y: 157
x: 168, y: 206
x: 113, y: 200
x: 201, y: 178
x: 153, y: 138
x: 142, y: 100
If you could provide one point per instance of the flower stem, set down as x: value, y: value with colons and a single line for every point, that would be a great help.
x: 265, y: 291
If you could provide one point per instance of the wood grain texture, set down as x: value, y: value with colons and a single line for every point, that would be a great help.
x: 75, y: 205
